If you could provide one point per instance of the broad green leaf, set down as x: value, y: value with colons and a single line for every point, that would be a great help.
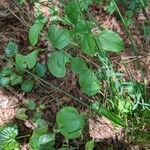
x: 78, y: 65
x: 89, y: 145
x: 72, y: 11
x: 38, y: 141
x: 70, y: 122
x: 89, y: 83
x: 101, y: 110
x: 40, y: 69
x: 15, y: 79
x: 11, y: 49
x: 59, y: 38
x: 27, y: 60
x: 27, y: 85
x: 7, y: 138
x: 57, y: 62
x: 34, y: 32
x: 21, y: 114
x: 88, y: 44
x: 110, y: 41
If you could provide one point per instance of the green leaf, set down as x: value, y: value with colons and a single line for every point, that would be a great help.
x: 15, y: 79
x: 96, y: 106
x: 72, y: 11
x: 84, y: 4
x: 78, y: 65
x: 89, y: 83
x: 11, y: 49
x: 30, y: 104
x: 6, y: 72
x: 38, y: 141
x: 89, y: 145
x: 41, y: 126
x: 31, y: 59
x: 111, y: 7
x: 59, y: 38
x: 70, y: 122
x: 27, y: 85
x: 124, y: 106
x: 7, y: 138
x: 20, y: 60
x: 40, y: 69
x: 34, y: 32
x: 28, y: 60
x: 4, y: 81
x: 21, y: 114
x: 88, y: 44
x: 57, y: 62
x: 110, y: 41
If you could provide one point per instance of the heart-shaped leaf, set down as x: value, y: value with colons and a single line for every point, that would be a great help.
x: 59, y: 38
x: 89, y: 83
x: 57, y: 62
x: 70, y: 122
x: 28, y: 60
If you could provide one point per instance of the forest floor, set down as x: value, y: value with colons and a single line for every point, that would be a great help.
x: 11, y: 28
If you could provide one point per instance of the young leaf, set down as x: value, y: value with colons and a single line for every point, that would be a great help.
x: 11, y: 49
x: 59, y: 38
x: 7, y: 71
x: 21, y: 114
x: 78, y: 65
x: 38, y: 141
x: 89, y: 83
x: 7, y: 138
x: 4, y: 81
x: 41, y: 126
x: 57, y: 62
x: 72, y: 11
x: 110, y: 41
x: 40, y: 69
x: 89, y: 145
x: 34, y: 32
x: 30, y: 104
x: 96, y: 106
x: 20, y: 61
x: 70, y: 122
x: 15, y: 79
x: 27, y: 85
x: 28, y: 60
x: 88, y: 44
